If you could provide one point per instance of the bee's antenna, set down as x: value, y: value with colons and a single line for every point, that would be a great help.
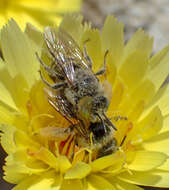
x: 109, y: 122
x: 102, y: 122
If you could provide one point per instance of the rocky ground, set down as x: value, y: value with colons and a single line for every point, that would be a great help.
x: 151, y: 15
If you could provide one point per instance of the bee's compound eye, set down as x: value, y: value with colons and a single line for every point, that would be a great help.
x: 98, y: 130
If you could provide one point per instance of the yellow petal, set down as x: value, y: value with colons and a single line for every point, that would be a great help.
x: 79, y: 171
x: 158, y: 63
x: 21, y: 139
x: 141, y: 96
x: 63, y: 163
x: 13, y: 177
x: 3, y: 19
x: 73, y: 25
x: 121, y: 185
x: 20, y: 162
x: 165, y: 124
x: 25, y: 62
x: 6, y: 98
x: 139, y: 42
x: 158, y: 143
x: 155, y: 178
x: 16, y: 88
x: 35, y: 35
x: 164, y: 102
x: 48, y: 180
x: 105, y: 162
x: 112, y: 38
x: 96, y: 182
x: 7, y: 138
x: 45, y: 156
x: 5, y: 95
x: 133, y: 69
x: 19, y: 168
x: 93, y: 46
x: 6, y: 116
x: 147, y: 127
x: 43, y: 5
x: 73, y: 184
x: 165, y: 166
x: 160, y: 99
x: 147, y: 160
x: 117, y: 96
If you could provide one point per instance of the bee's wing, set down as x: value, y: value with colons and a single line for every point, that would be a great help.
x: 62, y: 105
x: 65, y: 51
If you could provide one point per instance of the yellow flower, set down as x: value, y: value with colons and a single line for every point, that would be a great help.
x: 38, y: 160
x: 38, y: 13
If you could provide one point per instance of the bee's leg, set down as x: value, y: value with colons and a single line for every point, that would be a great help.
x: 86, y: 56
x: 51, y: 72
x: 55, y: 86
x: 103, y: 69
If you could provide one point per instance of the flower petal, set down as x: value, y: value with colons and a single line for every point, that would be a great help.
x: 7, y: 138
x: 93, y: 45
x: 165, y: 124
x: 121, y: 185
x: 106, y: 161
x: 133, y: 69
x: 96, y: 182
x: 139, y: 42
x: 165, y: 166
x: 18, y: 53
x: 63, y: 163
x: 112, y: 38
x: 156, y: 178
x: 45, y: 156
x: 164, y: 102
x: 161, y: 99
x: 48, y: 180
x: 73, y: 25
x: 158, y: 143
x: 73, y: 184
x: 6, y: 116
x: 34, y: 34
x: 147, y: 160
x: 158, y: 62
x: 79, y: 171
x: 147, y: 127
x: 5, y: 95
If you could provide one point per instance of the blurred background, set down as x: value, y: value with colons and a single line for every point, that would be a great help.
x: 151, y: 15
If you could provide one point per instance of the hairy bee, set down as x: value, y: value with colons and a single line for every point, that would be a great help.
x: 77, y: 94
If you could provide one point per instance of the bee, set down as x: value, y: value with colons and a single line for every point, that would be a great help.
x: 77, y: 94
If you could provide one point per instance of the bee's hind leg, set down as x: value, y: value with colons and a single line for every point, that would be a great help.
x: 103, y: 69
x: 48, y: 69
x: 55, y: 86
x: 86, y: 56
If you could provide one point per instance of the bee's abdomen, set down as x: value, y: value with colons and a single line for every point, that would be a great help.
x: 108, y: 148
x: 98, y: 130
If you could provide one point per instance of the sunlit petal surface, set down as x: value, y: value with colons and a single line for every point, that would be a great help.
x: 38, y: 13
